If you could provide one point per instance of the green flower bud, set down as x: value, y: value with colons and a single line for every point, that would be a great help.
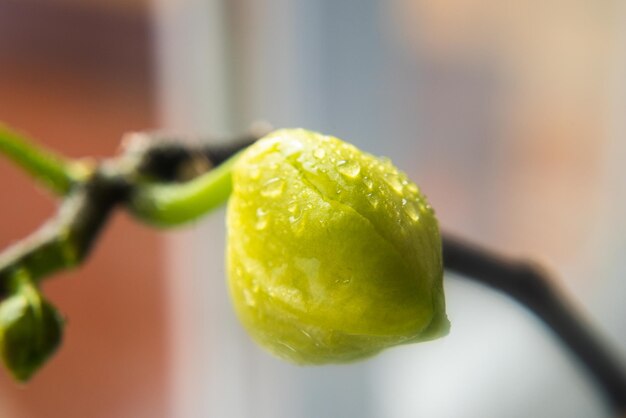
x: 333, y: 254
x: 30, y: 331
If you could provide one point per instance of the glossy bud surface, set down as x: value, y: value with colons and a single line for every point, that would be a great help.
x: 333, y: 254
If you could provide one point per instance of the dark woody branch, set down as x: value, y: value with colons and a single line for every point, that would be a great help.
x: 532, y: 287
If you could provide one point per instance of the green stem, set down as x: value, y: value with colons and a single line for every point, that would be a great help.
x: 170, y: 204
x: 53, y: 171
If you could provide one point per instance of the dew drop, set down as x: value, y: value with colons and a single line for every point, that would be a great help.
x: 425, y: 207
x: 343, y: 281
x: 373, y: 199
x: 249, y: 297
x: 291, y: 147
x: 411, y: 211
x: 261, y: 224
x: 261, y: 219
x: 295, y: 218
x: 411, y: 187
x: 309, y: 166
x: 349, y: 169
x: 394, y: 181
x: 273, y: 187
x: 385, y: 164
x: 319, y: 153
x: 255, y: 173
x: 295, y: 212
x: 368, y: 183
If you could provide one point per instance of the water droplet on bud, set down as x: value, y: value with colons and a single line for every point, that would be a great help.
x: 319, y: 153
x: 393, y: 180
x: 373, y: 199
x: 273, y: 187
x: 255, y: 173
x: 349, y: 169
x: 261, y: 219
x: 411, y: 211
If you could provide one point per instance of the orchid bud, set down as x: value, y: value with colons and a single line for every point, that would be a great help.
x: 333, y: 254
x: 30, y: 331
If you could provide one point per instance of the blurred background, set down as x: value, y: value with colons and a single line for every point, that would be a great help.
x: 510, y: 115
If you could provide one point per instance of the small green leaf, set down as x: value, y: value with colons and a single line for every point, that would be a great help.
x: 30, y: 331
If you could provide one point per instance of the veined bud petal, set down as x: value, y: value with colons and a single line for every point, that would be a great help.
x: 333, y: 254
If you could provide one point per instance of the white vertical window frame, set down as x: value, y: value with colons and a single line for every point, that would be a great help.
x: 194, y: 95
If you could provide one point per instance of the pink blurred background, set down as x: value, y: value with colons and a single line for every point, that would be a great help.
x: 77, y: 77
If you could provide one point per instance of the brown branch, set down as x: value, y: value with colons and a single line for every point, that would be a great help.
x: 532, y: 287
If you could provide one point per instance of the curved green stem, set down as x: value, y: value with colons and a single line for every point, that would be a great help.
x: 170, y: 204
x: 53, y: 171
